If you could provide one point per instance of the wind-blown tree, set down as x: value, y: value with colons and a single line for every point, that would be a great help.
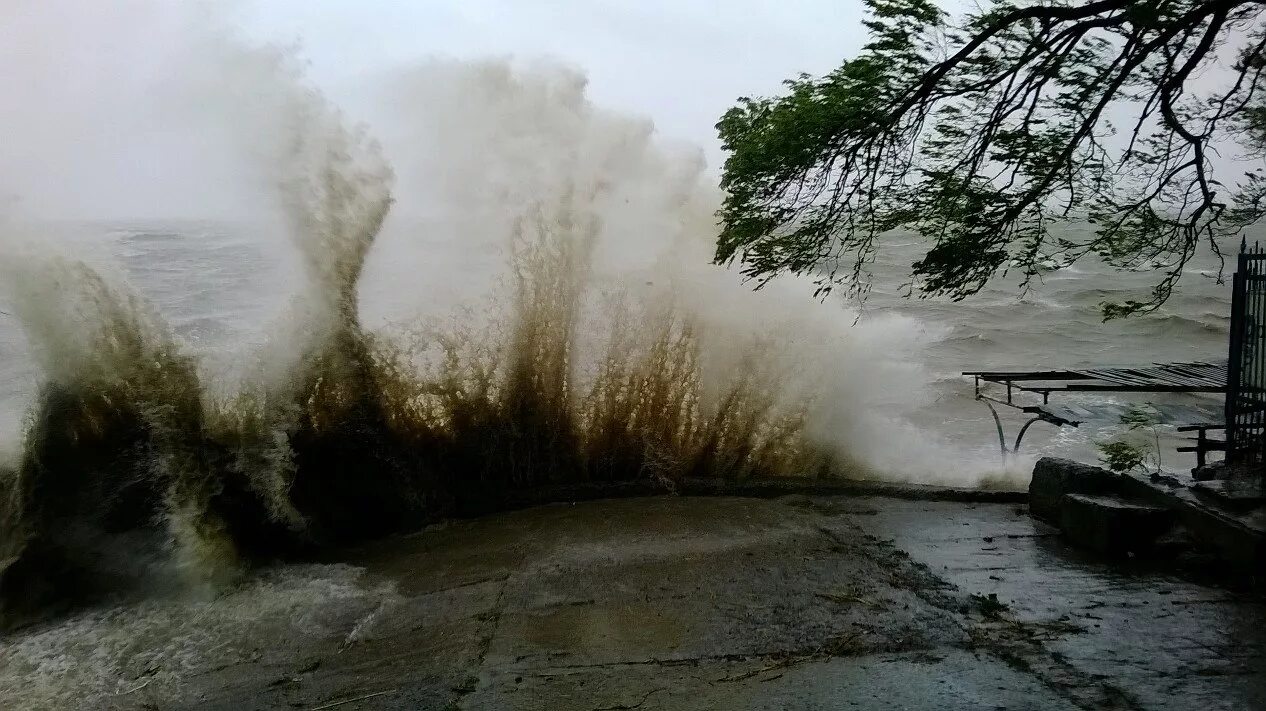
x: 985, y: 132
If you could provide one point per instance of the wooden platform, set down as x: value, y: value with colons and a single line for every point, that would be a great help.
x: 1194, y: 377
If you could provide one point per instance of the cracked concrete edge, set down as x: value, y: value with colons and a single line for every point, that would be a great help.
x: 765, y: 488
x: 1238, y: 537
x: 993, y: 630
x: 478, y: 673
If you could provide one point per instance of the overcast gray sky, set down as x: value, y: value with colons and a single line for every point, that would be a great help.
x: 681, y: 63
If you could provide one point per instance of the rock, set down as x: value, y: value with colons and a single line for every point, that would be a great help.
x: 1240, y: 494
x: 1112, y: 526
x: 1222, y: 471
x: 1209, y: 472
x: 1054, y: 478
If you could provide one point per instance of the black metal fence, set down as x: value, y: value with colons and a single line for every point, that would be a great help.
x: 1246, y: 362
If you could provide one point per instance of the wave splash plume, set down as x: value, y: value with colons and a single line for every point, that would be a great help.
x: 610, y: 350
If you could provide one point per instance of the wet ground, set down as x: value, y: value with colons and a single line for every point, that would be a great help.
x: 675, y: 603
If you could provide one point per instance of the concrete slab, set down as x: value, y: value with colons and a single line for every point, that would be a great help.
x: 1111, y: 526
x: 804, y: 602
x: 1162, y: 642
x: 1237, y: 536
x: 950, y: 679
x: 419, y: 648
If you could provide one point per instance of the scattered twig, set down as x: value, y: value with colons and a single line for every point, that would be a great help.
x: 624, y: 707
x: 842, y: 597
x: 358, y: 630
x: 134, y: 689
x: 352, y: 701
x: 780, y: 664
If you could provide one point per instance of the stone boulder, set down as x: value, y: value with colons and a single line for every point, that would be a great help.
x: 1112, y: 526
x: 1053, y: 478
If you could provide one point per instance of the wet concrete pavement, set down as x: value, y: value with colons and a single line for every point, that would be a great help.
x: 1162, y: 641
x: 688, y: 603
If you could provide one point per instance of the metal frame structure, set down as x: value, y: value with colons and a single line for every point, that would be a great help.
x: 1246, y: 381
x: 1039, y: 412
x: 1192, y: 377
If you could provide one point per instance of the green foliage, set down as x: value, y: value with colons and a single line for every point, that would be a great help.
x: 1139, y: 417
x: 1129, y: 451
x: 984, y: 133
x: 1121, y: 456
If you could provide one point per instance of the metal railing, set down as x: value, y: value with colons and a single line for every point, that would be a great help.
x: 1246, y: 360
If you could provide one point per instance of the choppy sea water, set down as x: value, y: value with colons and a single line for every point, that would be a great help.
x: 1058, y: 324
x: 222, y: 287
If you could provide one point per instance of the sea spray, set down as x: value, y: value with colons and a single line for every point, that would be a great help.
x: 353, y: 476
x: 614, y: 354
x: 114, y: 485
